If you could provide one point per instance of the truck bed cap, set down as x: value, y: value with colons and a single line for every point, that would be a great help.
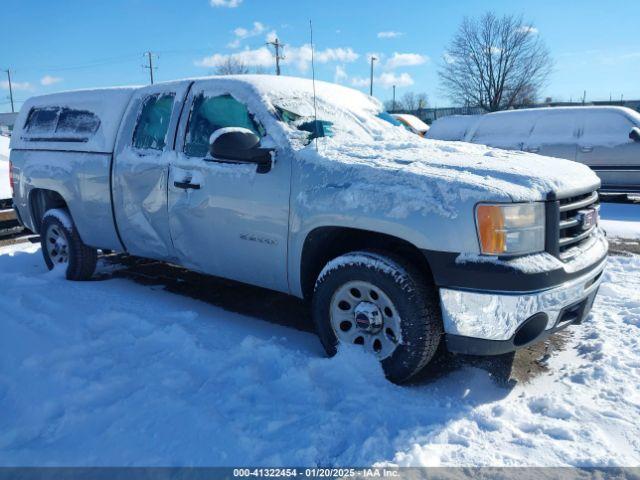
x: 107, y: 104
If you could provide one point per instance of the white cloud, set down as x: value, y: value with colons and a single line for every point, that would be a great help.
x: 406, y: 60
x: 225, y: 3
x: 385, y: 80
x: 49, y: 80
x: 299, y: 57
x: 340, y: 75
x: 242, y: 33
x: 271, y: 36
x: 529, y: 29
x: 389, y: 34
x: 336, y: 55
x: 448, y: 58
x: 388, y: 80
x: 260, y: 57
x: 16, y: 85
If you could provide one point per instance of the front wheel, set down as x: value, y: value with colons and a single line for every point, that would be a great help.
x: 63, y: 248
x: 382, y: 303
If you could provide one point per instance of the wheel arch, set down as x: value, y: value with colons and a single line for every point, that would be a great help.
x: 41, y: 200
x: 323, y: 244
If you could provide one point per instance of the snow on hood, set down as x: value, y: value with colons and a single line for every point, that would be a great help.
x: 521, y: 176
x: 391, y: 156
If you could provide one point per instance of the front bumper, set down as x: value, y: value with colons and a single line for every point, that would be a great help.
x: 496, y: 322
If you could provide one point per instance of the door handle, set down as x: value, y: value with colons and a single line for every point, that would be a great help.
x: 186, y: 185
x: 586, y: 149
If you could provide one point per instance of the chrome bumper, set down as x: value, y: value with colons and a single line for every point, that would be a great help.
x: 497, y: 316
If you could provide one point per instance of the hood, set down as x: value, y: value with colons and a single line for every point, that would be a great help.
x: 485, y: 173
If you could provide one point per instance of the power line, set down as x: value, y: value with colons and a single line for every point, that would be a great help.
x: 276, y: 43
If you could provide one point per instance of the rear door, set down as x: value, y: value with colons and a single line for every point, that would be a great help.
x: 555, y: 134
x: 605, y: 146
x: 226, y: 218
x: 141, y: 168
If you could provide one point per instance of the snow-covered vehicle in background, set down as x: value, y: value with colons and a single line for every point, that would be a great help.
x: 398, y: 242
x: 607, y: 139
x: 5, y: 188
x: 412, y: 123
x: 452, y: 128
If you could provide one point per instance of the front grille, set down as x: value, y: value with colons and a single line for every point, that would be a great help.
x: 571, y: 227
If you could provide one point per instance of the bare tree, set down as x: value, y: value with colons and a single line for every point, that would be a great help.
x: 495, y: 63
x: 231, y: 66
x: 423, y: 100
x: 409, y: 101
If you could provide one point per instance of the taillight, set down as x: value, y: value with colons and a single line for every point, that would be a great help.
x: 11, y: 181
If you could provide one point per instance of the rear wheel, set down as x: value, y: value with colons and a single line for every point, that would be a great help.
x: 63, y: 248
x: 381, y: 302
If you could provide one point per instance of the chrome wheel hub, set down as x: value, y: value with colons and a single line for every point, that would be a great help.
x: 57, y: 245
x: 362, y: 314
x: 368, y: 317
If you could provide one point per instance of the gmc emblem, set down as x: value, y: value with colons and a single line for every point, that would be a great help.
x: 587, y: 218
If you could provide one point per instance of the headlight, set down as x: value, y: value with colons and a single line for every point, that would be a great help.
x: 510, y: 229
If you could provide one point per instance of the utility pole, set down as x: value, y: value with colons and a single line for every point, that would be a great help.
x: 150, y: 65
x: 393, y: 104
x: 373, y: 59
x: 276, y: 43
x: 10, y: 89
x: 584, y: 97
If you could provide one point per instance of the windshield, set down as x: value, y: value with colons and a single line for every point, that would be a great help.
x: 334, y: 115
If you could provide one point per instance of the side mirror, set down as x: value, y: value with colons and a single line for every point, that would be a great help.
x: 239, y: 145
x: 635, y: 134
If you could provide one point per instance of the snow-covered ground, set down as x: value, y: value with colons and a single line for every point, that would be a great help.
x: 112, y: 372
x: 5, y: 189
x: 621, y: 220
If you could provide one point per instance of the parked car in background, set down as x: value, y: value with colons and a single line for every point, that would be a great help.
x: 412, y: 123
x: 397, y: 242
x: 607, y: 139
x: 5, y: 188
x: 453, y: 128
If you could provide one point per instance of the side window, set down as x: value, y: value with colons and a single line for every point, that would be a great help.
x: 153, y: 122
x: 209, y: 114
x: 504, y: 130
x: 554, y: 128
x: 606, y: 128
x: 42, y: 120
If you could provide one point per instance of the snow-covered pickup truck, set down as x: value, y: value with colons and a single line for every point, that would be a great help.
x: 397, y: 241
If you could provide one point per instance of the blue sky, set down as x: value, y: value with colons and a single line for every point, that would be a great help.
x: 51, y: 46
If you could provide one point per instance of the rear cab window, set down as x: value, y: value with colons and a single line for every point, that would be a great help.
x: 60, y: 124
x: 211, y: 113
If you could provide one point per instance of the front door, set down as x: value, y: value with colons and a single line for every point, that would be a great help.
x: 555, y: 134
x: 226, y: 219
x: 605, y: 146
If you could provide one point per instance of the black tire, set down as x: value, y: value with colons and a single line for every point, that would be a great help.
x: 415, y: 299
x: 81, y: 263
